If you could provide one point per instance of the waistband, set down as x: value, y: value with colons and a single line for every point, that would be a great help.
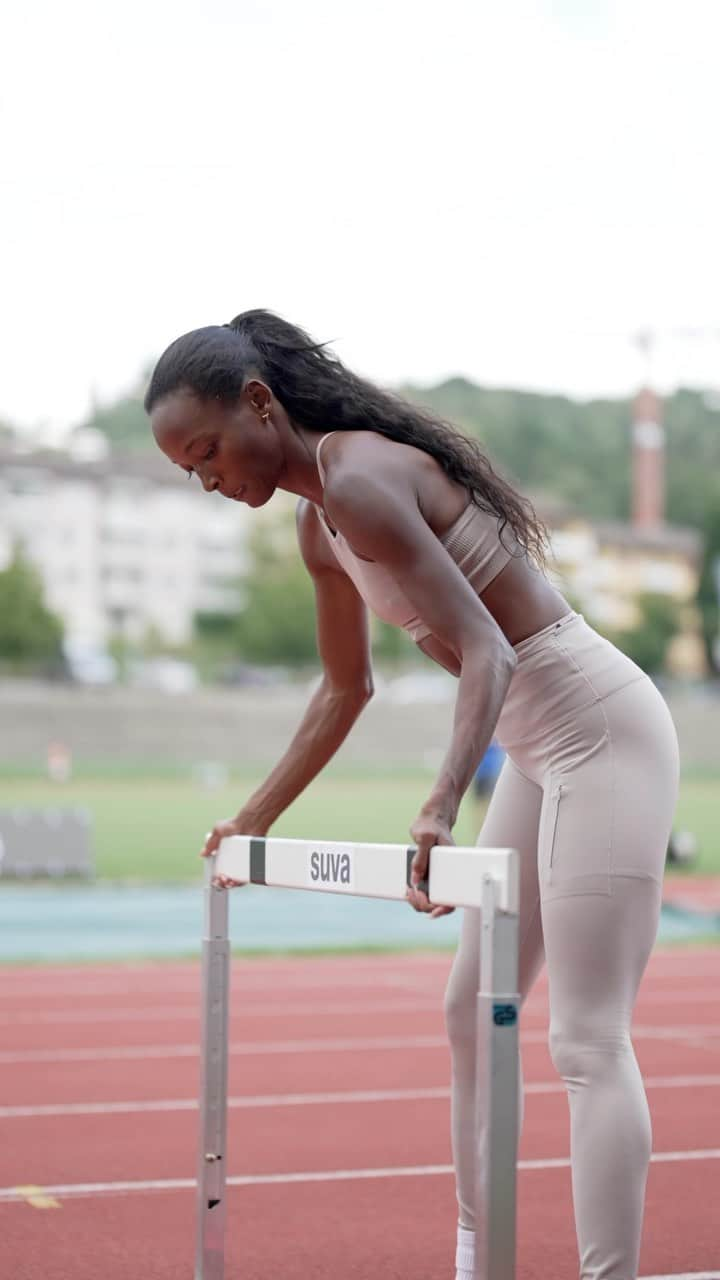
x: 540, y: 639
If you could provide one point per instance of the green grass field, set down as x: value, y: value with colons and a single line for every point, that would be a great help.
x: 151, y: 829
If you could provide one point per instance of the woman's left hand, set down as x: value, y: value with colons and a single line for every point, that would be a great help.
x: 427, y: 830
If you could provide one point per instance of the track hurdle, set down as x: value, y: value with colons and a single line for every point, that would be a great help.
x: 458, y: 877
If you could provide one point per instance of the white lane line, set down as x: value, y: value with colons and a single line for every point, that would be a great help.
x: 695, y: 996
x: 689, y: 1035
x: 190, y: 1012
x: 536, y: 1005
x: 56, y: 986
x: 256, y: 963
x: 252, y: 1102
x: 323, y: 1175
x: 402, y: 971
x: 335, y: 979
x: 35, y: 1197
x: 249, y: 1049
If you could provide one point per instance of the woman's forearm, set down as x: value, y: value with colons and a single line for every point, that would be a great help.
x: 326, y: 723
x: 482, y: 688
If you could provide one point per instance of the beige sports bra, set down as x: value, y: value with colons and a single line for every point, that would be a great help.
x: 472, y: 540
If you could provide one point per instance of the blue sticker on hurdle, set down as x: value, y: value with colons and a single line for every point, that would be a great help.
x: 504, y: 1015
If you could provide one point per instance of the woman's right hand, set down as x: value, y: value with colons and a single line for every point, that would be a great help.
x: 242, y: 825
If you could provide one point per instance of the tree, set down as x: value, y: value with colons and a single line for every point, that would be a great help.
x: 552, y: 445
x: 30, y: 635
x: 709, y: 586
x: 124, y: 422
x: 392, y: 644
x: 214, y: 643
x: 647, y: 643
x: 549, y: 445
x: 277, y: 622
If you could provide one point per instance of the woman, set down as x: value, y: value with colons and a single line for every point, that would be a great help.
x: 399, y: 511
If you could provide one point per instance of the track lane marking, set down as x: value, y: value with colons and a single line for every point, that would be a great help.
x: 252, y: 1102
x: 665, y: 963
x: 189, y: 1012
x: 67, y: 1190
x: 696, y: 1035
x: 248, y: 1049
x: 37, y: 1197
x: 331, y: 980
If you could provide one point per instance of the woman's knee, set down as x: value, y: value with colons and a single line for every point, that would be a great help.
x: 580, y: 1048
x: 460, y: 1014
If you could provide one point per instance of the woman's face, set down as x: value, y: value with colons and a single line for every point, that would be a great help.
x: 227, y: 446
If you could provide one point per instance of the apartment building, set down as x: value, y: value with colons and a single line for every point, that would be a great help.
x: 124, y: 544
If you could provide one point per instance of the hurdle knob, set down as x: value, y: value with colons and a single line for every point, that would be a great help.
x: 211, y: 1157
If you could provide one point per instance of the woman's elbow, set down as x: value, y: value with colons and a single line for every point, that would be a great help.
x: 495, y: 652
x: 509, y: 656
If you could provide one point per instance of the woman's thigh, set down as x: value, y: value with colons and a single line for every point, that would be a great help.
x: 609, y: 796
x: 597, y: 947
x: 606, y: 820
x: 512, y: 822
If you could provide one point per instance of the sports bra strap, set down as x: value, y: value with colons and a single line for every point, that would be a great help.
x: 321, y: 468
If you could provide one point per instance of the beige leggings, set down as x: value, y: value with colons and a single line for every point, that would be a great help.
x: 587, y: 796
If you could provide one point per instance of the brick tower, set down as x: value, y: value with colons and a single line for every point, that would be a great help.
x: 648, y: 461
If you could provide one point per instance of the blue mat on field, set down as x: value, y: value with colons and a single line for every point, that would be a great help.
x: 106, y: 921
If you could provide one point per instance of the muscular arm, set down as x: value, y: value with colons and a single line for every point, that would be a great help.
x: 346, y: 686
x: 380, y: 517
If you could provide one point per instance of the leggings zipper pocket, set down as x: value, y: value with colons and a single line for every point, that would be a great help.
x: 555, y: 798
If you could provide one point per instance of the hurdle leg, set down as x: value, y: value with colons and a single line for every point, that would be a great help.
x: 211, y: 1206
x: 497, y: 1092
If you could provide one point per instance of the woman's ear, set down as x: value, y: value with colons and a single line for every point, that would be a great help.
x: 260, y: 397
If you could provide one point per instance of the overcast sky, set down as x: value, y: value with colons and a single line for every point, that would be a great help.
x: 507, y: 191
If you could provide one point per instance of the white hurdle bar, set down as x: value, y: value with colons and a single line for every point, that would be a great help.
x: 458, y: 877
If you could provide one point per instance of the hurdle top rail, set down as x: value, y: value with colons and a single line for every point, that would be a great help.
x: 456, y: 878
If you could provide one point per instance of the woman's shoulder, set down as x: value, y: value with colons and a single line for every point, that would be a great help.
x: 348, y: 456
x: 368, y: 467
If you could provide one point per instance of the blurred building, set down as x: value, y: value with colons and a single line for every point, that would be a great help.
x: 607, y: 565
x: 124, y: 544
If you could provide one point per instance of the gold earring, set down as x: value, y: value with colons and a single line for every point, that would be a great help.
x: 264, y: 416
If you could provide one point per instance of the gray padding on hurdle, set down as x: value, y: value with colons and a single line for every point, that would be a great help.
x: 421, y: 884
x: 257, y: 860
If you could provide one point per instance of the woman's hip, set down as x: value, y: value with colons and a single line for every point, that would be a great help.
x: 569, y: 691
x: 610, y: 783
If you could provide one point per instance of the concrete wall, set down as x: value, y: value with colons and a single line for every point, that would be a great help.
x: 250, y: 729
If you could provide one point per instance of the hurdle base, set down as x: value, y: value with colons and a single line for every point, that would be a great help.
x: 372, y: 870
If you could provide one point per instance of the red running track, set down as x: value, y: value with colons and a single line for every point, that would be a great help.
x: 339, y: 1150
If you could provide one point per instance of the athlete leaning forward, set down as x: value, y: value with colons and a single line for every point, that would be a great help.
x: 398, y: 511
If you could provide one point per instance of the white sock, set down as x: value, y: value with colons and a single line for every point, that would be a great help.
x: 465, y: 1254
